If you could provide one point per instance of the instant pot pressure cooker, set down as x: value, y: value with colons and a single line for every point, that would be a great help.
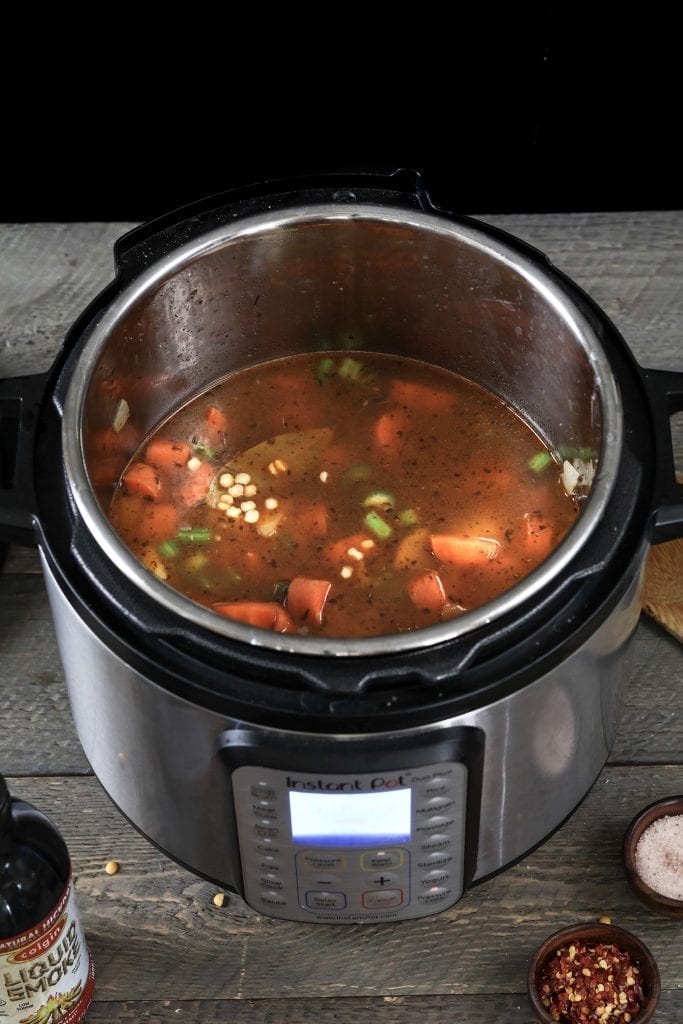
x: 341, y: 780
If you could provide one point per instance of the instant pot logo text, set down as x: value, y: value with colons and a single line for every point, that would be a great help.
x: 348, y: 785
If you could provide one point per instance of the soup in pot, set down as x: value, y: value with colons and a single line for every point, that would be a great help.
x: 345, y: 494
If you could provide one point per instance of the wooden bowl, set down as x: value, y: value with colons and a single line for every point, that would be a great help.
x: 672, y: 805
x: 592, y: 934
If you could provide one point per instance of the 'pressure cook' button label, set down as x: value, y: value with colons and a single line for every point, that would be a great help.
x: 313, y: 861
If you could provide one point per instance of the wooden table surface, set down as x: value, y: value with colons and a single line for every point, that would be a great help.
x: 162, y: 950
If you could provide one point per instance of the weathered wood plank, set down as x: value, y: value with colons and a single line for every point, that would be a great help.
x: 459, y: 1009
x: 156, y: 913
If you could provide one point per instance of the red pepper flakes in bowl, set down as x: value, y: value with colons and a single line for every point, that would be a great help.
x: 593, y: 974
x: 585, y: 984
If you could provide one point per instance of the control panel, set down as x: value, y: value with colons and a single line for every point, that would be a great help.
x: 373, y: 846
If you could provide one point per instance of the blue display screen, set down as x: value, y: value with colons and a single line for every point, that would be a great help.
x: 350, y: 819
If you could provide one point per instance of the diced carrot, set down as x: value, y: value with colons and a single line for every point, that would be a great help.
x: 157, y: 522
x: 426, y: 592
x: 391, y: 431
x: 264, y: 614
x: 196, y: 483
x: 420, y: 396
x: 539, y: 537
x: 167, y: 454
x: 312, y: 519
x: 143, y: 479
x: 216, y: 418
x: 463, y: 551
x: 306, y: 599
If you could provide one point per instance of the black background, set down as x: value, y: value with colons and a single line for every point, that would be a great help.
x: 534, y: 120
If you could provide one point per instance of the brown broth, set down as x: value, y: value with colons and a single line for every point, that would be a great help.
x: 408, y: 453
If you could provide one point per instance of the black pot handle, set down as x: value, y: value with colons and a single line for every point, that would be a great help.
x: 20, y: 400
x: 665, y: 391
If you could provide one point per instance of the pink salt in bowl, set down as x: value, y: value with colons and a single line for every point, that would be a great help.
x: 653, y: 856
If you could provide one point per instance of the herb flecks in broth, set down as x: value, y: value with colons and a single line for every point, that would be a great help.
x: 344, y: 495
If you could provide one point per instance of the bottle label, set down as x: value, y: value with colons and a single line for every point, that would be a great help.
x: 46, y: 973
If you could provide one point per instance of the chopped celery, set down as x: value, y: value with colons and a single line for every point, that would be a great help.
x: 325, y: 369
x: 378, y: 526
x: 540, y: 461
x: 168, y: 548
x: 408, y: 517
x: 200, y: 535
x: 350, y: 368
x: 379, y: 499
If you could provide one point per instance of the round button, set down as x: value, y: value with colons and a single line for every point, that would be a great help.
x: 263, y: 809
x: 435, y: 877
x: 274, y: 899
x: 267, y: 845
x: 270, y: 881
x: 262, y: 791
x: 268, y: 864
x: 436, y: 785
x: 439, y: 803
x: 435, y: 860
x: 435, y: 894
x: 439, y: 841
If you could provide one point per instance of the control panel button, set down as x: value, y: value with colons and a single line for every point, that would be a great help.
x: 435, y: 860
x: 435, y: 894
x: 312, y: 860
x: 267, y: 845
x: 264, y: 830
x: 269, y: 881
x: 326, y: 900
x: 273, y: 899
x: 325, y: 881
x: 436, y: 877
x: 437, y: 823
x: 267, y: 864
x: 382, y: 899
x: 438, y: 841
x: 374, y: 860
x: 262, y: 791
x: 264, y: 810
x: 437, y: 784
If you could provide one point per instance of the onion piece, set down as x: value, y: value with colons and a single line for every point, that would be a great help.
x: 121, y: 415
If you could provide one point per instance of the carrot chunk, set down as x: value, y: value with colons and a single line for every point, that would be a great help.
x: 157, y: 522
x: 195, y: 485
x: 216, y: 418
x: 420, y: 396
x: 391, y: 431
x: 306, y: 599
x: 167, y: 454
x: 426, y: 592
x: 142, y: 479
x: 463, y: 551
x: 264, y: 614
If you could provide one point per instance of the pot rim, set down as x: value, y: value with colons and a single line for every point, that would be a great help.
x: 536, y: 269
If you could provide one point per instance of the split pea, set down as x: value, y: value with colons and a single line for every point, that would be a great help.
x: 111, y: 867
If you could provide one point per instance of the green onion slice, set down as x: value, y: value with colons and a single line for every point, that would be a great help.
x: 379, y: 499
x: 198, y: 535
x: 540, y: 461
x: 168, y: 548
x: 378, y: 526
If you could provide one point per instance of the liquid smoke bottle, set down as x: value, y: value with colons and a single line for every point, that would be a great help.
x: 46, y: 973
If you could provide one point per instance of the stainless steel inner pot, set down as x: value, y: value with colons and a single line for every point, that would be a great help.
x: 340, y: 277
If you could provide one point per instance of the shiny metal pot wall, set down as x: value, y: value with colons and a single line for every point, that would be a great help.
x: 329, y: 277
